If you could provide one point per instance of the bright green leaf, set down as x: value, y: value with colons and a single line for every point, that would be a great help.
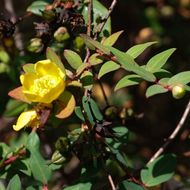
x: 129, y: 64
x: 108, y: 67
x: 95, y: 59
x: 37, y: 7
x: 79, y: 186
x: 28, y: 68
x: 110, y: 41
x: 128, y: 80
x: 136, y: 50
x: 14, y: 183
x: 73, y: 59
x: 155, y: 89
x: 180, y: 78
x: 158, y: 61
x: 159, y: 171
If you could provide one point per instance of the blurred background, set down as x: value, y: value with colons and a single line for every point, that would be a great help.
x: 151, y: 120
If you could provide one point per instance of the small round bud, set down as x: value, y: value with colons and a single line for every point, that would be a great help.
x: 35, y: 45
x: 61, y: 34
x: 178, y: 91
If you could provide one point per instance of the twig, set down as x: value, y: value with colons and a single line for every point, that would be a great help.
x: 111, y: 182
x: 101, y: 26
x: 173, y: 135
x: 18, y: 37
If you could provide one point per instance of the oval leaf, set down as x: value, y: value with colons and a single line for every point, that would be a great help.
x: 28, y: 68
x: 136, y: 50
x: 158, y: 61
x: 73, y: 59
x: 37, y: 7
x: 107, y: 68
x: 155, y: 89
x: 66, y: 105
x: 87, y: 79
x: 128, y: 185
x: 128, y: 80
x: 159, y: 171
x: 180, y: 78
x: 95, y: 59
x: 110, y: 41
x: 14, y: 183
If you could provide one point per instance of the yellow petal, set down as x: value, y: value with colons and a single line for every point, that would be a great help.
x: 46, y: 67
x: 27, y: 80
x: 25, y: 119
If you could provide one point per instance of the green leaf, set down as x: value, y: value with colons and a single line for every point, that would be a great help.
x: 99, y: 13
x: 78, y: 113
x: 108, y: 67
x: 110, y: 41
x: 158, y: 61
x: 159, y: 171
x: 128, y: 80
x: 155, y: 89
x: 129, y: 64
x: 80, y: 186
x: 28, y: 68
x: 37, y: 7
x: 96, y: 110
x: 37, y: 164
x: 50, y: 54
x: 136, y: 50
x: 180, y: 78
x: 95, y: 59
x: 92, y: 44
x: 128, y: 185
x: 87, y: 79
x: 14, y: 183
x: 14, y: 108
x: 4, y: 56
x: 73, y: 59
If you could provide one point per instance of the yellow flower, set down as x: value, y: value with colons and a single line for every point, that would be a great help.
x: 27, y: 119
x: 45, y: 84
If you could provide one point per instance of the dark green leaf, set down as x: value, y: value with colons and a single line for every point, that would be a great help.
x: 37, y: 7
x: 180, y: 78
x: 37, y: 164
x: 73, y: 59
x: 158, y: 61
x: 78, y: 112
x: 159, y: 171
x: 50, y: 54
x: 14, y: 183
x: 128, y: 185
x: 87, y: 79
x: 136, y: 50
x: 155, y: 89
x: 107, y: 67
x: 128, y: 80
x: 129, y: 64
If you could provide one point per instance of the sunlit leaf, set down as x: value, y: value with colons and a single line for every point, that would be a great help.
x: 108, y: 67
x: 73, y: 59
x: 159, y: 60
x: 136, y: 50
x: 14, y: 183
x: 128, y: 80
x: 66, y: 105
x: 95, y: 59
x: 155, y: 89
x: 28, y: 68
x: 110, y: 41
x: 180, y: 78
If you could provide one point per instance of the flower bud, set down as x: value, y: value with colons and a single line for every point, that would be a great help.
x: 178, y: 91
x: 35, y: 45
x: 61, y: 34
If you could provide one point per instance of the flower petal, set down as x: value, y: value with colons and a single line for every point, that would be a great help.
x: 25, y: 119
x: 46, y: 67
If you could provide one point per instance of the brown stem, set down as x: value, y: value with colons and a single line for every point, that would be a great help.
x: 173, y: 135
x: 101, y: 26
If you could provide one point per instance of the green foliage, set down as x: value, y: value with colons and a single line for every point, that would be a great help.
x: 125, y: 185
x: 37, y: 7
x: 14, y: 183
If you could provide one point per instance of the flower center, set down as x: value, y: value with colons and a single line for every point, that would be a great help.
x: 44, y: 84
